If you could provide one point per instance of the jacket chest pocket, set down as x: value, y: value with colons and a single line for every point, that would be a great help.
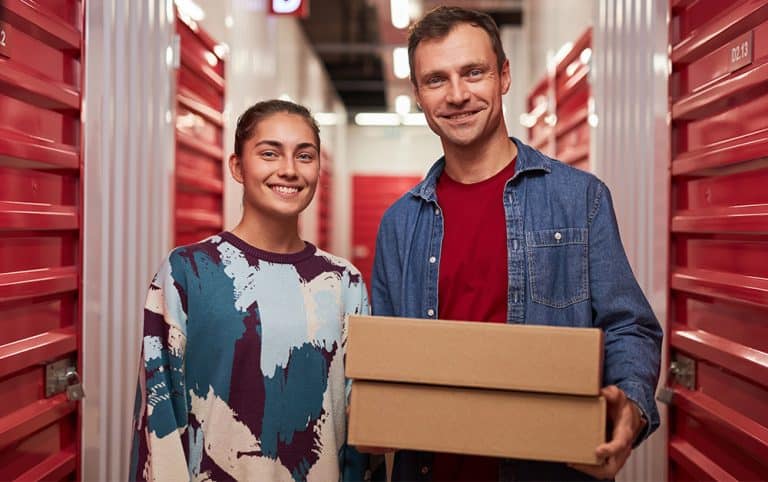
x: 557, y: 266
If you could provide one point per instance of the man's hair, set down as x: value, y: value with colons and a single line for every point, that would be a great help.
x: 249, y: 119
x: 441, y: 20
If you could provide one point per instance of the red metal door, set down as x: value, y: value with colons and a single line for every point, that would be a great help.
x: 572, y: 96
x: 539, y: 118
x: 718, y: 335
x: 40, y: 233
x: 558, y: 107
x: 371, y: 196
x: 199, y: 136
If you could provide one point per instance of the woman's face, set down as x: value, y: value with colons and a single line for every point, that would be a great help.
x: 279, y: 166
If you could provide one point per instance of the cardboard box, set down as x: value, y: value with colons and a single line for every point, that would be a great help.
x: 469, y: 354
x: 533, y: 426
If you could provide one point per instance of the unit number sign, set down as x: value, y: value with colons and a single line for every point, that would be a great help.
x: 740, y: 51
x: 5, y: 51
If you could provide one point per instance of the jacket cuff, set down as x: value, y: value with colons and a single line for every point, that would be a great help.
x: 643, y: 398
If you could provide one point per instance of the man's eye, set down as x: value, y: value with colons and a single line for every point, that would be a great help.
x: 475, y: 73
x: 269, y: 154
x: 434, y: 80
x: 306, y: 157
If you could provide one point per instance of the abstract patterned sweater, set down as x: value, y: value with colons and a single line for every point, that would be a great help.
x: 242, y: 374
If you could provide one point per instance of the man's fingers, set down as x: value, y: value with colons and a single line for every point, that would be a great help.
x: 607, y: 470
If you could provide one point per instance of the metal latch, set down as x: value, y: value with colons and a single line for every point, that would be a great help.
x: 683, y: 371
x: 61, y: 376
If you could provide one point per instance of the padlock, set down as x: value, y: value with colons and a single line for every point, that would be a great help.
x: 75, y: 390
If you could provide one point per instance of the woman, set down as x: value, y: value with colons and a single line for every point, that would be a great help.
x: 244, y: 332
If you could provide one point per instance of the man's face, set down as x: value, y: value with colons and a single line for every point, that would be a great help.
x: 459, y: 86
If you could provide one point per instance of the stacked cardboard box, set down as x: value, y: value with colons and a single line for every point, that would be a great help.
x: 517, y: 391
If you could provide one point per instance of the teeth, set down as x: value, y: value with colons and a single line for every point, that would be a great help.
x: 461, y: 116
x: 285, y: 189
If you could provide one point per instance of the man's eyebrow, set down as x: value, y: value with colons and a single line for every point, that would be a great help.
x: 468, y: 66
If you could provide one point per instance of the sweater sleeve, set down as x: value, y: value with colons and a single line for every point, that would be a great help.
x: 355, y: 465
x: 160, y: 414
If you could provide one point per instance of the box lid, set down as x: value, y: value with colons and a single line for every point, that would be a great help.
x: 471, y: 354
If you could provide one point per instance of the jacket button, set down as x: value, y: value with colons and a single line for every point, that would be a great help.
x: 432, y: 259
x: 430, y: 312
x: 558, y: 236
x: 424, y: 469
x: 437, y: 212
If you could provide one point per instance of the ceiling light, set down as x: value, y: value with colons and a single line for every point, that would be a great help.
x: 190, y: 8
x: 326, y: 118
x: 400, y: 13
x: 402, y: 104
x: 414, y: 119
x: 400, y: 62
x: 377, y: 119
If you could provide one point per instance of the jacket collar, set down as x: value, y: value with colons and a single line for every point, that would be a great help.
x: 528, y: 159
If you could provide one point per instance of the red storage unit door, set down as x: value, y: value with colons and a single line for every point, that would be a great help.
x: 540, y: 131
x: 718, y: 335
x: 572, y: 96
x: 199, y: 136
x: 40, y: 233
x: 371, y: 196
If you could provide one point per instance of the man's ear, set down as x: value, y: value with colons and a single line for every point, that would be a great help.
x: 236, y: 168
x: 506, y: 78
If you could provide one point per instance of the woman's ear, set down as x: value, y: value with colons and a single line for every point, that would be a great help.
x: 236, y: 168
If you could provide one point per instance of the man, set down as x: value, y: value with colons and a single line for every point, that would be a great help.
x: 498, y: 232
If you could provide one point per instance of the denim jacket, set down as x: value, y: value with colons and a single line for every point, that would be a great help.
x: 566, y: 267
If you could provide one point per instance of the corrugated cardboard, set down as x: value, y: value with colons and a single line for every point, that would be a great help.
x: 487, y: 355
x: 533, y: 426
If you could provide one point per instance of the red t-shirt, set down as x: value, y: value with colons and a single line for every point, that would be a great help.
x: 473, y: 281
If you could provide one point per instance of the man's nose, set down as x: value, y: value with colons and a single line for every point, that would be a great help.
x: 457, y: 92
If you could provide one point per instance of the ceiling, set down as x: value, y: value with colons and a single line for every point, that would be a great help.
x: 355, y: 40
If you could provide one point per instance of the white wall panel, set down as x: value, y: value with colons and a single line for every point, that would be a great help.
x: 392, y: 150
x: 517, y: 49
x: 630, y: 152
x: 128, y: 143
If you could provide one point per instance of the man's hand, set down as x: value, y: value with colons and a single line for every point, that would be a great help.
x: 627, y: 424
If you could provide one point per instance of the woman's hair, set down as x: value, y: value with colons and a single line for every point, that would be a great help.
x: 249, y: 119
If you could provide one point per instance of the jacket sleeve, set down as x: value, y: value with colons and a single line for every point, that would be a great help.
x: 160, y: 414
x: 386, y: 271
x: 632, y: 332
